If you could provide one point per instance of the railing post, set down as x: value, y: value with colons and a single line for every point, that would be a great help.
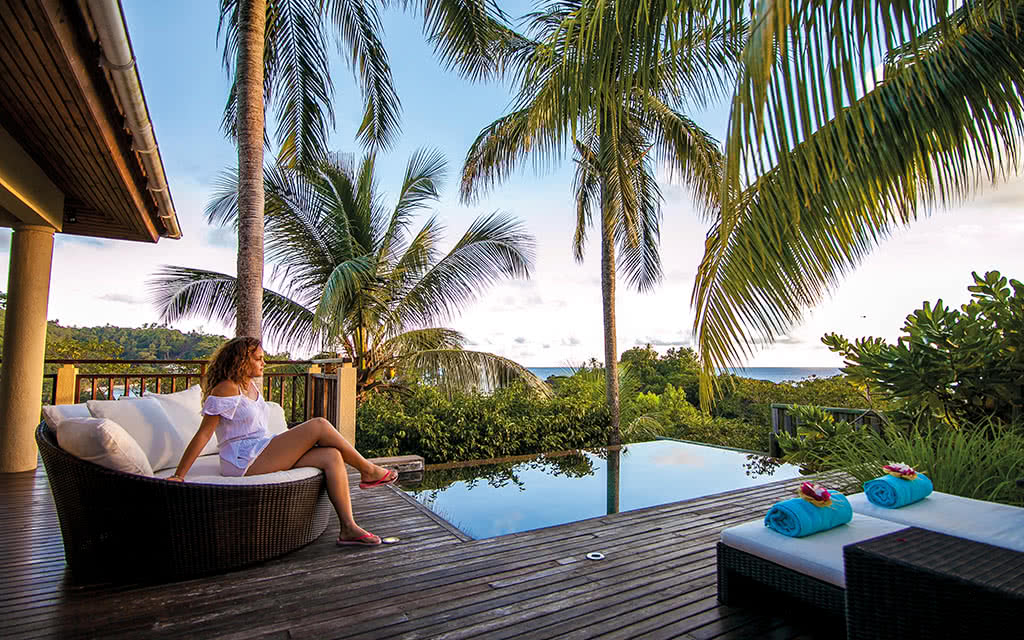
x: 66, y: 385
x: 778, y: 422
x: 347, y: 401
x: 308, y: 412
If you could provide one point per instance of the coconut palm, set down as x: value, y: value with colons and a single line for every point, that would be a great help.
x: 620, y: 113
x: 353, y: 279
x: 279, y: 52
x: 850, y: 120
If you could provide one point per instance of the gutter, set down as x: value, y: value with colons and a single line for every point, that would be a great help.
x: 119, y: 60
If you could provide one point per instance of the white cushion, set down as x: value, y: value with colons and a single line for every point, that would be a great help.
x: 206, y: 470
x: 819, y: 555
x: 145, y: 419
x: 997, y: 524
x: 52, y: 414
x: 103, y: 442
x: 184, y: 408
x: 276, y: 422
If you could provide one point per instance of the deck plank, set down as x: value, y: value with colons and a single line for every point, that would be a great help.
x: 657, y: 580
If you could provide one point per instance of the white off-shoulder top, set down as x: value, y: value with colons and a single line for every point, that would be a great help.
x: 241, y: 431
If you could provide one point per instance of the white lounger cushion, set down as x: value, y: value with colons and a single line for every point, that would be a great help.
x: 990, y: 522
x: 54, y: 413
x: 819, y: 555
x: 206, y: 470
x: 184, y: 408
x: 103, y: 442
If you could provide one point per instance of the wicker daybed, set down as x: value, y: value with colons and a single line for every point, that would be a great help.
x: 125, y: 527
x: 958, y: 572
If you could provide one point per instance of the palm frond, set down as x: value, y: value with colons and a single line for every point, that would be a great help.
x: 472, y: 37
x: 495, y: 154
x: 587, y: 191
x: 494, y: 247
x: 424, y: 177
x: 457, y: 369
x: 689, y: 152
x: 943, y: 124
x: 181, y: 293
x: 298, y: 72
x: 360, y: 29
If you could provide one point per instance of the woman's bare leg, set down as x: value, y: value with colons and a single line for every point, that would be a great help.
x: 285, y: 450
x: 330, y: 460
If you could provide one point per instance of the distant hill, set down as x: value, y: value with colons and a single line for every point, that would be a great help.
x: 149, y: 342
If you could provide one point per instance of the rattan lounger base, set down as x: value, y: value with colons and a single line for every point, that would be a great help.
x: 130, y: 528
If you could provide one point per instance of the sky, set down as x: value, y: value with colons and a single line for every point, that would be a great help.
x: 552, y: 319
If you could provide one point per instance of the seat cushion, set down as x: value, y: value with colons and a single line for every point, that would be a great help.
x: 54, y: 413
x: 103, y: 442
x: 206, y: 470
x: 145, y: 419
x: 990, y: 522
x: 184, y: 408
x: 819, y: 555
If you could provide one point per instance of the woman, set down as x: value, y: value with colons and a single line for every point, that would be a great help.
x: 234, y: 408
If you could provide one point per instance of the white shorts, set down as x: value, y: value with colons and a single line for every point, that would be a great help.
x: 238, y: 455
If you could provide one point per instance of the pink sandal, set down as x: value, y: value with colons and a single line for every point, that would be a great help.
x: 388, y: 478
x: 365, y: 540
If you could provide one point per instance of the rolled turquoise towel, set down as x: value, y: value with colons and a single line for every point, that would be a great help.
x: 798, y: 518
x: 892, y: 492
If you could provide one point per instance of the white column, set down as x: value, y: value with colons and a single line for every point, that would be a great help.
x: 21, y: 378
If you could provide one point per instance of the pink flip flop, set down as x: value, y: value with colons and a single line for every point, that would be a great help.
x: 365, y: 540
x: 388, y: 478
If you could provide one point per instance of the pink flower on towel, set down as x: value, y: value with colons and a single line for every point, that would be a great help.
x: 900, y: 470
x: 815, y: 494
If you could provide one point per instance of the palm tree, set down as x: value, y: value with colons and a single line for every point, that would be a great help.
x: 826, y: 159
x: 619, y: 110
x: 353, y: 279
x: 279, y: 52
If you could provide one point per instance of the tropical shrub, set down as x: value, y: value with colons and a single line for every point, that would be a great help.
x: 963, y: 366
x: 473, y: 426
x: 982, y: 463
x: 814, y: 443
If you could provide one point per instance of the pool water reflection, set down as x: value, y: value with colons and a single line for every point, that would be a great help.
x: 506, y: 497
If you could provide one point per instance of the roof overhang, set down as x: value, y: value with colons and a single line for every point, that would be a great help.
x: 77, y: 151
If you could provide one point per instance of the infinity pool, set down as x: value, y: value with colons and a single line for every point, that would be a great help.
x: 497, y: 498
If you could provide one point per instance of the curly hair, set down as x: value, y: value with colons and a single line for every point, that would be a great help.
x: 228, y: 362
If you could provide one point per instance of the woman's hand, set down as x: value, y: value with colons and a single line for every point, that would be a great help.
x: 176, y: 478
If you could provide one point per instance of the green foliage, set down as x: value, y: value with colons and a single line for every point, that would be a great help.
x: 816, y: 433
x: 981, y: 463
x: 965, y: 366
x: 472, y: 426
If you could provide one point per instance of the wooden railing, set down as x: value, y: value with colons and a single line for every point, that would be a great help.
x: 782, y: 419
x: 304, y: 391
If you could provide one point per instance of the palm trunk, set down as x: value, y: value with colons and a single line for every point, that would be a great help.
x: 611, y: 358
x: 249, y: 82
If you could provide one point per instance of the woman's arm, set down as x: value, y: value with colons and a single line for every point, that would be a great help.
x: 203, y: 435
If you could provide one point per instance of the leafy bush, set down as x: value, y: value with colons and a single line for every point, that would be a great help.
x: 814, y: 443
x: 981, y: 463
x: 472, y: 426
x: 963, y: 366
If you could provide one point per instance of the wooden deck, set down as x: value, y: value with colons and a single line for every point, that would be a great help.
x: 657, y: 580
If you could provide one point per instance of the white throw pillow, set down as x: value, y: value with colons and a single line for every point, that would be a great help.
x: 53, y: 414
x: 103, y: 442
x: 185, y: 410
x: 276, y: 422
x: 145, y: 419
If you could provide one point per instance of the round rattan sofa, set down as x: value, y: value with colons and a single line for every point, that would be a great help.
x: 123, y: 527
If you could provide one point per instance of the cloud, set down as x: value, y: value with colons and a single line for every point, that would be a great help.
x: 661, y: 342
x: 570, y: 342
x: 520, y: 340
x: 123, y: 298
x: 223, y: 237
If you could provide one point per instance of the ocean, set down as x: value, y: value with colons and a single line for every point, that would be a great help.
x: 773, y: 374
